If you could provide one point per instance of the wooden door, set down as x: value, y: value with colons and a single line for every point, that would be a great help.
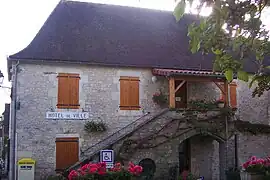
x: 67, y: 152
x: 181, y: 95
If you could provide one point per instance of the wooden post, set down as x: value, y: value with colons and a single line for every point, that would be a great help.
x: 172, y: 92
x: 226, y: 93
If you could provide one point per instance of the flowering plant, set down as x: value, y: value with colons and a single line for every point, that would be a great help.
x: 98, y: 171
x: 221, y: 100
x: 159, y: 98
x: 255, y: 165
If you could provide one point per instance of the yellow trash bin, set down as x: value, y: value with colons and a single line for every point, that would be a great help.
x: 26, y: 169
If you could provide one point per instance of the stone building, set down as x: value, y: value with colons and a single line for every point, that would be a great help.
x: 103, y: 63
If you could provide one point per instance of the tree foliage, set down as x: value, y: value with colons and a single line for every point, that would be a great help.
x: 234, y: 33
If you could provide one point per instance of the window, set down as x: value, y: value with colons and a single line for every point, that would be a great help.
x: 67, y: 152
x: 129, y: 93
x: 233, y: 94
x: 68, y: 91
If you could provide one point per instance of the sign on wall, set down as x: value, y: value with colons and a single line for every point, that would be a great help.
x: 107, y: 156
x: 67, y: 115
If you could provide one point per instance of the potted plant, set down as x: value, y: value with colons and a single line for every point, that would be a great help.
x: 254, y: 169
x: 92, y: 126
x: 220, y: 103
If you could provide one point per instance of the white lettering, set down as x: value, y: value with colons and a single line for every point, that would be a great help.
x: 67, y: 115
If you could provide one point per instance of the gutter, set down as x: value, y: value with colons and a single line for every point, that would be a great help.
x: 12, y: 160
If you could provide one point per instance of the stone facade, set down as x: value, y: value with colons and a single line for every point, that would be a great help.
x: 204, y: 149
x: 99, y: 95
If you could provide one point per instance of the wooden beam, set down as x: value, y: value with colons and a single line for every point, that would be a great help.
x: 172, y: 92
x: 226, y: 95
x: 179, y: 86
x: 220, y: 87
x: 199, y: 79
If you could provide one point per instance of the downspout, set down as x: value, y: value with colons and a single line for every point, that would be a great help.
x: 12, y: 170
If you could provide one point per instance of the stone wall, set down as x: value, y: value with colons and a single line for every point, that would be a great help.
x: 99, y: 95
x: 251, y: 145
x: 256, y: 109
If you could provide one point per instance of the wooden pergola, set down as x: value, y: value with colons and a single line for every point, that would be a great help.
x: 192, y: 76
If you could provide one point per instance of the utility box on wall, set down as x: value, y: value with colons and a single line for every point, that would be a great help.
x: 26, y: 169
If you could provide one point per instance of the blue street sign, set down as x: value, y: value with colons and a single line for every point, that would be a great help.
x: 107, y: 156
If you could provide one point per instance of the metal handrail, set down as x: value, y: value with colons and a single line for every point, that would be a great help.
x: 119, y: 138
x: 83, y: 152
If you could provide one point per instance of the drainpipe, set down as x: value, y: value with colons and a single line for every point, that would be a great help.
x: 12, y: 160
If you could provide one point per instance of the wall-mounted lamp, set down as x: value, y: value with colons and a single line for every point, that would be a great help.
x: 154, y: 79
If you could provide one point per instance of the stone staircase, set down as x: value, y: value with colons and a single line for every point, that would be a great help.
x: 115, y: 137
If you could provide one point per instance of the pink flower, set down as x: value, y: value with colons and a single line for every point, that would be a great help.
x: 85, y: 167
x: 93, y: 170
x: 253, y: 158
x: 93, y: 166
x: 131, y: 165
x: 118, y: 165
x: 73, y: 174
x: 135, y: 170
x: 101, y: 172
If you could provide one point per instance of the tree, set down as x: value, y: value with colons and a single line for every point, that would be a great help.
x: 234, y: 33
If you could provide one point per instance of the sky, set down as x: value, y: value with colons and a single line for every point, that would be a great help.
x: 20, y: 20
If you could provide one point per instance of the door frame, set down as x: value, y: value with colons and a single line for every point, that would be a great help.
x: 186, y: 89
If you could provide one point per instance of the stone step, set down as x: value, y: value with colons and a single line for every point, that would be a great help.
x: 117, y: 136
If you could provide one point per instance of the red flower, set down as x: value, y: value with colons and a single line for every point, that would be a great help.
x: 101, y: 172
x: 93, y: 166
x: 73, y: 174
x: 131, y: 165
x: 85, y: 167
x: 135, y: 170
x: 93, y: 170
x: 118, y: 165
x: 115, y: 169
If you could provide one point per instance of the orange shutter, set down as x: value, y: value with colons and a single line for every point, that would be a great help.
x: 67, y: 152
x: 74, y: 80
x: 233, y: 95
x: 68, y: 91
x: 129, y: 93
x: 63, y: 91
x: 124, y: 93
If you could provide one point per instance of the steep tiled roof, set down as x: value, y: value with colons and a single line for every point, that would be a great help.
x: 115, y: 36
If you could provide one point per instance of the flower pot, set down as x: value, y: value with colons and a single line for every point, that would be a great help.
x: 251, y: 176
x: 221, y: 105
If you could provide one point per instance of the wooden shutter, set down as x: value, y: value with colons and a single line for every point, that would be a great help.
x: 233, y: 94
x: 129, y: 93
x: 68, y: 91
x: 67, y: 152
